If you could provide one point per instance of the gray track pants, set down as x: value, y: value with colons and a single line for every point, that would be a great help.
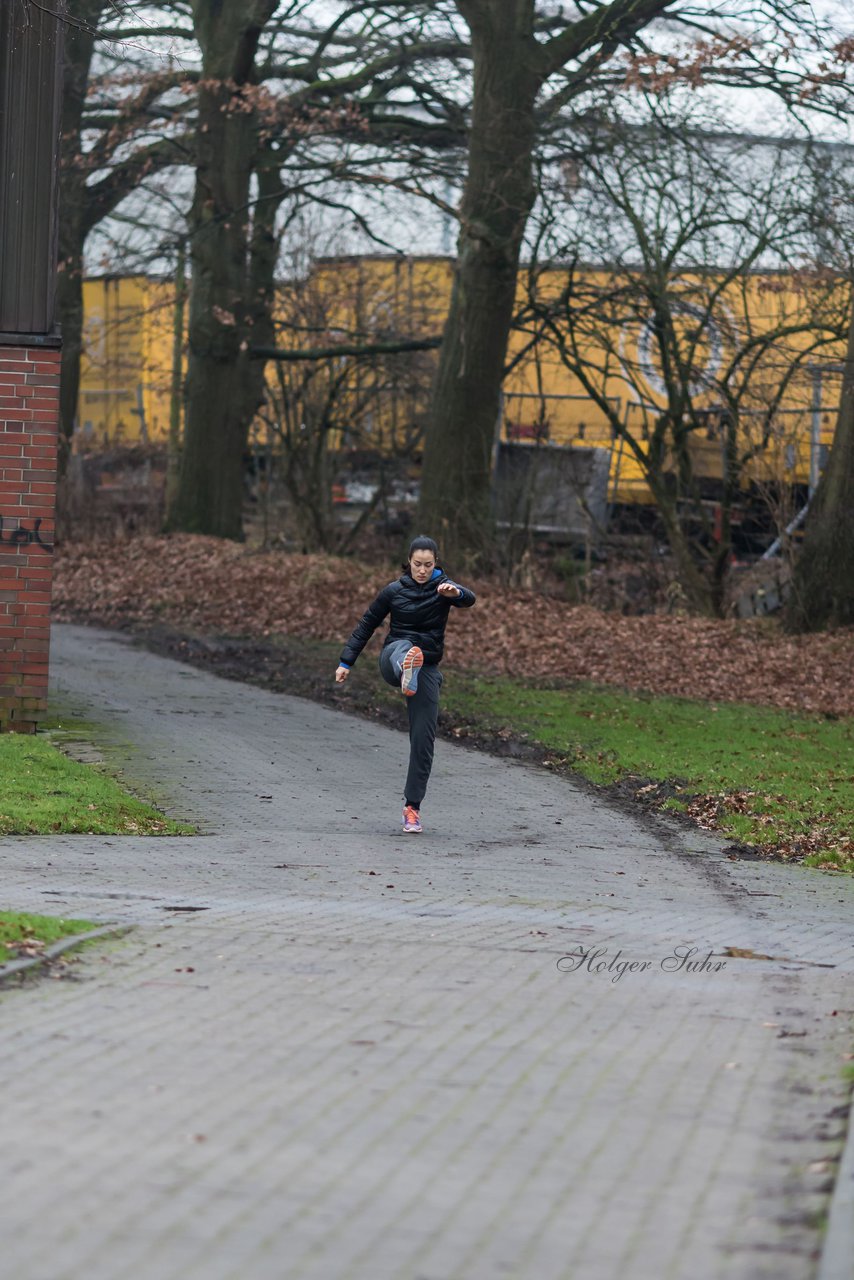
x: 423, y: 708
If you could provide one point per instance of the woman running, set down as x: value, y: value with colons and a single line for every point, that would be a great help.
x: 419, y: 603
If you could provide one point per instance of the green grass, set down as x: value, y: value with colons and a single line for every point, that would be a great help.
x: 44, y: 792
x: 767, y: 777
x: 18, y: 927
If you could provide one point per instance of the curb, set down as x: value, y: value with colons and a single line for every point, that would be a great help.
x: 52, y: 953
x: 837, y: 1255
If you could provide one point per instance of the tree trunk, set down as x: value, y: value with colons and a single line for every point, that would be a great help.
x: 69, y: 297
x: 823, y: 583
x: 692, y: 579
x: 222, y: 380
x: 722, y: 556
x: 176, y: 392
x: 499, y: 193
x: 263, y: 256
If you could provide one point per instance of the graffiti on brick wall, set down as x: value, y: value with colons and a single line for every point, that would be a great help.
x: 22, y: 536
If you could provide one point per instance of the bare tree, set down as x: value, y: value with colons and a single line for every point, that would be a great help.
x: 823, y: 585
x: 688, y: 307
x: 228, y: 250
x: 350, y: 387
x: 530, y: 62
x: 122, y: 116
x: 260, y: 104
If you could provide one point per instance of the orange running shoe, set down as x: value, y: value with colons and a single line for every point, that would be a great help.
x: 411, y: 820
x: 412, y: 664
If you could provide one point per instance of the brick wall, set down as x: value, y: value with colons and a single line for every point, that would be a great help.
x: 29, y: 414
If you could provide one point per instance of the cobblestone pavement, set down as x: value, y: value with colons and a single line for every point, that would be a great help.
x: 330, y: 1050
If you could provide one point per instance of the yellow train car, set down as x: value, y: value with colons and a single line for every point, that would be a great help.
x: 126, y: 365
x: 543, y: 400
x: 376, y: 405
x: 128, y: 340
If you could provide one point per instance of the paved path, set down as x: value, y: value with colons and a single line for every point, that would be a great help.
x: 362, y: 1060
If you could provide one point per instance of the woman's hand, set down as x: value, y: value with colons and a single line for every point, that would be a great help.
x: 448, y: 589
x: 341, y: 674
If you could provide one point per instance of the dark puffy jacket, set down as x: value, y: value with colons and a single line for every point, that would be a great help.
x: 418, y: 613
